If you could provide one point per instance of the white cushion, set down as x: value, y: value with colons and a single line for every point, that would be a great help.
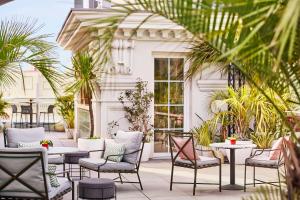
x: 16, y: 135
x: 29, y: 144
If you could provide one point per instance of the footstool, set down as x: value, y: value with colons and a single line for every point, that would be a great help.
x: 96, y: 188
x: 73, y: 158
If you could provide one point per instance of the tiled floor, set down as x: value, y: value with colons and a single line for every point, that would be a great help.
x: 155, y: 176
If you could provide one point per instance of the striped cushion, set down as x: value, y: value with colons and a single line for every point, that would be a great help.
x: 53, y: 178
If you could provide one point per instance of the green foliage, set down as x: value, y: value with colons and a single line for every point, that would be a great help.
x: 65, y: 108
x: 21, y: 46
x: 3, y: 106
x: 205, y: 133
x: 263, y: 140
x: 84, y: 77
x: 136, y: 104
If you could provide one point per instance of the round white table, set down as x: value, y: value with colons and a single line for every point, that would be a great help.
x: 61, y: 150
x: 232, y: 147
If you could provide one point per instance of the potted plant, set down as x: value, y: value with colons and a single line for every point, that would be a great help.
x: 137, y: 104
x: 84, y: 77
x: 65, y: 108
x: 46, y: 143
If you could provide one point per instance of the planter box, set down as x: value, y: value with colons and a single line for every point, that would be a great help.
x: 85, y: 144
x: 240, y: 154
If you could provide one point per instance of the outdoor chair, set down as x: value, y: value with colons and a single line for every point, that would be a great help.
x: 50, y: 111
x: 184, y: 154
x: 27, y: 112
x: 14, y: 112
x: 131, y: 158
x: 265, y: 158
x: 14, y: 136
x: 24, y: 175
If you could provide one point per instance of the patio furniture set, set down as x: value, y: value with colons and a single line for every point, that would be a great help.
x: 28, y: 172
x: 21, y: 169
x: 25, y: 117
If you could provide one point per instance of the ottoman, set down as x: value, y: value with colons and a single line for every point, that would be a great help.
x: 96, y: 188
x: 73, y: 158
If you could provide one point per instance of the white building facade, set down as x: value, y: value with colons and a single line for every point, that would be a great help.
x: 156, y: 53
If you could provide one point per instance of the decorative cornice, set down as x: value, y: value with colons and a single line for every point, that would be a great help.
x: 211, y: 85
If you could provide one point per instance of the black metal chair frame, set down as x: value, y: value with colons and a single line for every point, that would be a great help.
x: 14, y: 113
x: 193, y: 163
x: 39, y: 157
x: 134, y: 171
x: 50, y: 110
x: 26, y: 110
x: 5, y: 137
x: 258, y: 152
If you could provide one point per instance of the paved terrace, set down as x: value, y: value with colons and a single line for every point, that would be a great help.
x: 155, y: 176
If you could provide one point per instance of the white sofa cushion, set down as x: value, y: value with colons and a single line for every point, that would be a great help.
x: 16, y: 135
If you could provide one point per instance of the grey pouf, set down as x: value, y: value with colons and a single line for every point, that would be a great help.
x: 73, y: 158
x: 96, y: 188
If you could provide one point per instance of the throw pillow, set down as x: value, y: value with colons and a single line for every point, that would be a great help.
x: 188, y: 149
x: 274, y: 155
x: 29, y: 144
x: 113, y: 148
x: 52, y: 176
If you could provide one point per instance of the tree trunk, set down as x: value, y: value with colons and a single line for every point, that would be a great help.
x: 91, y: 117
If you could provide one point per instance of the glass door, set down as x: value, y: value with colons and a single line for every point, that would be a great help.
x: 168, y: 100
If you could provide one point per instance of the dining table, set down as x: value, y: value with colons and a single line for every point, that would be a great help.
x: 233, y: 148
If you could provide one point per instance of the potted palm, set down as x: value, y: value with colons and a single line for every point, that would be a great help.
x: 65, y: 108
x: 84, y: 77
x: 136, y: 104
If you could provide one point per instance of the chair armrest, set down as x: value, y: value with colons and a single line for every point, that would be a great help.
x: 107, y: 158
x: 208, y: 150
x: 96, y: 150
x: 257, y: 152
x: 62, y: 172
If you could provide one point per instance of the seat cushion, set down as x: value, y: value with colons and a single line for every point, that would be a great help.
x: 64, y: 186
x: 132, y: 142
x: 262, y: 161
x: 277, y: 146
x: 16, y: 135
x: 56, y: 160
x: 201, y: 163
x: 93, y: 164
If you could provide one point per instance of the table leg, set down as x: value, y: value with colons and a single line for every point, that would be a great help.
x: 232, y: 185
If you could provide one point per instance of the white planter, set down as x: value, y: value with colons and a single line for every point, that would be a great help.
x: 85, y: 144
x: 240, y: 154
x: 147, y: 152
x: 69, y: 133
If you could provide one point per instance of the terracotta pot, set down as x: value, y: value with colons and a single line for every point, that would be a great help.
x: 46, y: 146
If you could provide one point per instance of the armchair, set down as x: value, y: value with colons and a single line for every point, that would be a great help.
x: 258, y: 158
x: 24, y: 175
x: 130, y: 163
x: 184, y: 154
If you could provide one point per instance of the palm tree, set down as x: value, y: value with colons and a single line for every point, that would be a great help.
x: 20, y: 45
x: 261, y: 38
x: 84, y: 76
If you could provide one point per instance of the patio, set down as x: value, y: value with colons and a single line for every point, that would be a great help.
x: 158, y: 171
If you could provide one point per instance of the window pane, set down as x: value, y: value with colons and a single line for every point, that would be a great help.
x: 161, y: 93
x: 160, y: 141
x: 176, y: 116
x: 161, y: 69
x: 176, y: 69
x: 161, y: 117
x: 176, y: 93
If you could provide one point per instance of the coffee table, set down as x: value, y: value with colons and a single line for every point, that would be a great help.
x: 61, y: 150
x: 232, y: 147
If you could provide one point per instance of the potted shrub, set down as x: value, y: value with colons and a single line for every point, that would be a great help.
x: 136, y: 104
x: 46, y: 143
x: 65, y: 108
x: 84, y: 77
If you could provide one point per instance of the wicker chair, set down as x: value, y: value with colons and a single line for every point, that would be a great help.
x: 188, y: 162
x: 23, y: 175
x: 259, y: 159
x: 134, y: 144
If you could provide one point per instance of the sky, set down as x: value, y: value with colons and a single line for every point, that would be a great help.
x: 50, y: 13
